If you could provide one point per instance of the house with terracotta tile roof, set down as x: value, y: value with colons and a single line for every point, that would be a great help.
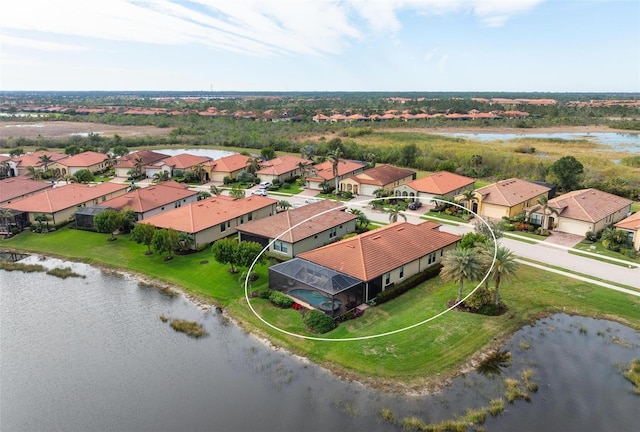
x: 93, y: 161
x: 385, y: 177
x: 506, y: 198
x: 324, y: 172
x: 179, y: 162
x: 214, y: 218
x: 227, y: 166
x: 584, y: 210
x: 154, y: 199
x: 128, y: 162
x: 631, y: 225
x: 60, y: 203
x: 34, y: 160
x: 342, y: 275
x: 15, y: 188
x: 443, y: 184
x: 283, y: 168
x: 8, y: 167
x: 301, y: 229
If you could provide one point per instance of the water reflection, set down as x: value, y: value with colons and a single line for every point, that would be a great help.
x: 92, y: 354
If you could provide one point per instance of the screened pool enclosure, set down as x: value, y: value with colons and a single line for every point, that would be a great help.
x: 332, y: 292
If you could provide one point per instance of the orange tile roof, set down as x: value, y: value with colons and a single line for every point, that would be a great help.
x: 324, y: 170
x: 382, y: 175
x: 440, y: 183
x: 282, y: 165
x: 330, y: 214
x: 198, y: 216
x: 15, y: 187
x: 630, y: 223
x: 148, y: 157
x: 229, y: 163
x: 377, y: 252
x: 149, y: 198
x: 511, y: 192
x: 84, y: 159
x: 33, y: 159
x: 63, y: 197
x: 183, y: 161
x: 590, y: 205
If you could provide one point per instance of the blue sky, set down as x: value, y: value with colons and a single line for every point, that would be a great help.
x: 321, y: 45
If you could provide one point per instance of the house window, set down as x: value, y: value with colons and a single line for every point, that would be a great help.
x: 104, y: 198
x: 536, y: 219
x: 280, y: 246
x: 432, y: 258
x: 223, y: 227
x: 228, y: 224
x: 250, y: 217
x: 401, y: 272
x: 332, y: 232
x: 387, y: 278
x: 241, y: 219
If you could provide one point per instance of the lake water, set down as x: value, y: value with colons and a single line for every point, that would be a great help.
x: 89, y: 354
x: 210, y: 153
x: 629, y: 142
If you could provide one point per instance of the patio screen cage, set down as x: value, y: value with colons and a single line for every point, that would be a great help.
x: 84, y: 216
x: 316, y: 286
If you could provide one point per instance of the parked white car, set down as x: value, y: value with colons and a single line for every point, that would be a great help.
x: 265, y: 185
x: 261, y: 192
x: 312, y: 200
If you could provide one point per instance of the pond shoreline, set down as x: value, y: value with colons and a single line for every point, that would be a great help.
x: 423, y: 387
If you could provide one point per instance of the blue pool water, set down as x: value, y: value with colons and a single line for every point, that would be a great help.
x: 315, y: 299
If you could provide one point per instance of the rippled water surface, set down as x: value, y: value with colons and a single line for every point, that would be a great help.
x: 92, y: 354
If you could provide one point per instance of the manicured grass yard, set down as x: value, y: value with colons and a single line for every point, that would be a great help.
x: 413, y: 358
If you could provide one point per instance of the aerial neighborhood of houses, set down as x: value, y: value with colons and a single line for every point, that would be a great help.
x: 323, y: 261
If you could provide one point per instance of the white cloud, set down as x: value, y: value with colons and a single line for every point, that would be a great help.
x: 39, y: 44
x: 252, y: 27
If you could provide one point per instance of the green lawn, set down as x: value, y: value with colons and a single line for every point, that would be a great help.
x: 597, y: 248
x: 414, y: 357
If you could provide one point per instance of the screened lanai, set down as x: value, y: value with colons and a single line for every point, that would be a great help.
x: 319, y: 287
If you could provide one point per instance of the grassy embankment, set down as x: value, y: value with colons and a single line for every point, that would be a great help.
x: 416, y: 358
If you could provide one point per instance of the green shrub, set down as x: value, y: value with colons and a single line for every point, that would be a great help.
x: 631, y: 253
x: 281, y: 300
x: 481, y: 297
x: 591, y: 236
x: 265, y: 293
x: 318, y: 322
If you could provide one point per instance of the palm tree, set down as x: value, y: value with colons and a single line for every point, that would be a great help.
x: 335, y: 157
x: 237, y: 192
x: 612, y: 238
x: 283, y: 205
x: 35, y: 173
x: 476, y: 160
x: 253, y: 165
x: 7, y: 217
x: 380, y: 192
x: 542, y: 203
x: 460, y: 265
x: 46, y: 160
x: 504, y: 268
x: 467, y: 197
x: 199, y: 171
x: 4, y: 169
x: 371, y: 160
x: 439, y: 202
x: 394, y: 212
x: 215, y: 190
x: 161, y: 176
x: 138, y: 163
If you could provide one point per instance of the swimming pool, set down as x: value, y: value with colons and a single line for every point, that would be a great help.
x: 316, y: 299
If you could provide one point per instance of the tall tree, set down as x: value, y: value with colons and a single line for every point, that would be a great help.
x: 107, y: 222
x: 253, y: 165
x: 225, y: 252
x: 504, y: 269
x: 461, y: 265
x: 568, y: 172
x: 335, y: 157
x: 394, y: 212
x: 542, y: 203
x: 199, y: 172
x: 237, y: 192
x: 161, y: 176
x: 143, y: 233
x: 46, y: 160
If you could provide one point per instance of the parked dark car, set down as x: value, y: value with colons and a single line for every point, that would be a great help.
x: 414, y: 205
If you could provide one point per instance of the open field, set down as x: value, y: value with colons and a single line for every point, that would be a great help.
x: 65, y: 129
x: 416, y: 360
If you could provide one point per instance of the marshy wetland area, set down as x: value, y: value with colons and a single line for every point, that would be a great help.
x: 172, y: 344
